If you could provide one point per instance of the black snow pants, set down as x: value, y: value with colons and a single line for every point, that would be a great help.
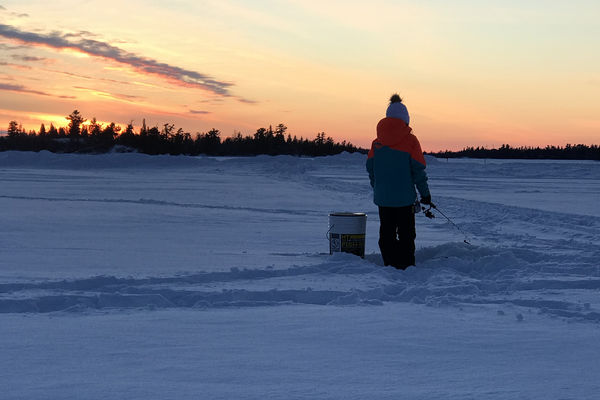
x: 397, y: 236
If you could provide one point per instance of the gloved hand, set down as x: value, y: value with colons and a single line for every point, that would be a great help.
x: 426, y: 200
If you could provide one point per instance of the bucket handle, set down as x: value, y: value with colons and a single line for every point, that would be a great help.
x: 329, y: 230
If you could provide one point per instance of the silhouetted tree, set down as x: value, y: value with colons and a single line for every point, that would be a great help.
x: 13, y: 129
x: 209, y: 142
x: 94, y: 128
x: 128, y: 137
x: 569, y: 152
x: 52, y: 132
x: 168, y: 140
x: 75, y: 124
x: 167, y: 130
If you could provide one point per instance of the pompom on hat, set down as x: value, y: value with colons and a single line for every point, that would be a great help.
x: 397, y: 110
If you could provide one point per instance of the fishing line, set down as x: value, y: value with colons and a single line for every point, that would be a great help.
x: 429, y: 214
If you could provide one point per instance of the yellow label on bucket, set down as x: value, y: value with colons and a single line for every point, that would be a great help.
x: 353, y: 243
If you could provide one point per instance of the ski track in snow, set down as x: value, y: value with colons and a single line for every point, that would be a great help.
x: 521, y: 259
x: 165, y: 203
x: 448, y: 275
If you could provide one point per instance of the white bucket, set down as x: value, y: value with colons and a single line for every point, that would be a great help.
x: 347, y: 233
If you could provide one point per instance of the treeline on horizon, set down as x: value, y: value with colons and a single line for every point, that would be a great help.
x: 568, y: 152
x: 95, y: 138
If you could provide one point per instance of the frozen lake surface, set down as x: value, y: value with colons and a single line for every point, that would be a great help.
x: 155, y: 277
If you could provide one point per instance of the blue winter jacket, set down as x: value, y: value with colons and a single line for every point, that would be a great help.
x: 396, y: 165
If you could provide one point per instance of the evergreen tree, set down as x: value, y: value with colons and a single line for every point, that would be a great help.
x: 52, y: 132
x: 13, y: 129
x: 75, y: 124
x: 169, y: 140
x: 94, y: 128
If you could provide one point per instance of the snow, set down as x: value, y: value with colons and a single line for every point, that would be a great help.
x: 158, y: 277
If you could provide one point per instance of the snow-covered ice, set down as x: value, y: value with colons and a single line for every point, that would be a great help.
x: 158, y: 277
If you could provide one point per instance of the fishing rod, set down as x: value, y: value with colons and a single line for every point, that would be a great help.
x: 429, y: 214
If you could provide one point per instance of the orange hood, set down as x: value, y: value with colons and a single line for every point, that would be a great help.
x: 394, y: 133
x: 391, y: 131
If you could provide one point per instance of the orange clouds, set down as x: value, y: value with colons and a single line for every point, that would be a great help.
x: 80, y: 44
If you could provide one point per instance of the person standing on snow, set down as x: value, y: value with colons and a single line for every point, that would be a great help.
x: 396, y: 165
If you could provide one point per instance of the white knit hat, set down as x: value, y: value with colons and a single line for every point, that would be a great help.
x: 398, y: 110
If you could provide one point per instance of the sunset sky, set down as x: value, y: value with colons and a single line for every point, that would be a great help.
x: 472, y: 73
